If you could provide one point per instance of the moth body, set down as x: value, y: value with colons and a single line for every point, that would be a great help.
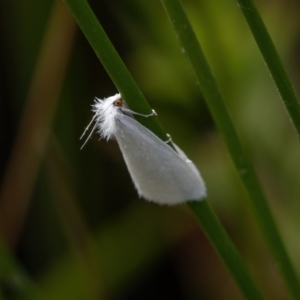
x: 159, y: 173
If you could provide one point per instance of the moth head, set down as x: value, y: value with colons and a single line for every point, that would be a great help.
x: 119, y: 102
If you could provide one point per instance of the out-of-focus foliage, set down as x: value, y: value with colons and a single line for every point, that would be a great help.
x: 85, y: 234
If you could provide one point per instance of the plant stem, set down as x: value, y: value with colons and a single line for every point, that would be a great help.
x: 224, y: 247
x: 272, y: 60
x: 214, y: 100
x: 113, y: 64
x: 135, y: 100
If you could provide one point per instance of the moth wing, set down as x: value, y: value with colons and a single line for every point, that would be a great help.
x: 158, y: 172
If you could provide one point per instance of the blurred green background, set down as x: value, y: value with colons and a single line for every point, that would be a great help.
x: 72, y: 219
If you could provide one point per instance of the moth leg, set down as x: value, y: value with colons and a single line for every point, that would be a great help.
x: 169, y: 140
x: 153, y: 113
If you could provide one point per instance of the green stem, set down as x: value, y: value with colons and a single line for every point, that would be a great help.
x: 134, y: 98
x: 224, y: 247
x: 113, y: 64
x: 272, y: 60
x: 212, y: 94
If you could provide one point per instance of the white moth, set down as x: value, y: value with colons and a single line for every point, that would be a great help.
x: 159, y: 173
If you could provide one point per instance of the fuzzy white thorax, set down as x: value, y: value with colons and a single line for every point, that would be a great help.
x: 105, y: 112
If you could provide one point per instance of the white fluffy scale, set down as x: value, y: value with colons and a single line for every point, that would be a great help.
x: 158, y: 172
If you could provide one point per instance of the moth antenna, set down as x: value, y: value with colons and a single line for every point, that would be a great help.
x: 93, y: 129
x: 96, y: 123
x: 86, y: 128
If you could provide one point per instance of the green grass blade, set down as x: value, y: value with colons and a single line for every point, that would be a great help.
x: 215, y: 102
x: 134, y: 98
x: 272, y: 60
x: 113, y: 64
x: 226, y: 250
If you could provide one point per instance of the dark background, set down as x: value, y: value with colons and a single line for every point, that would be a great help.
x: 82, y: 232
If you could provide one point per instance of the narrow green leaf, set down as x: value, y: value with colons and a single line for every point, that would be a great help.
x: 214, y: 99
x: 226, y: 250
x: 113, y: 64
x: 272, y: 60
x: 126, y: 85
